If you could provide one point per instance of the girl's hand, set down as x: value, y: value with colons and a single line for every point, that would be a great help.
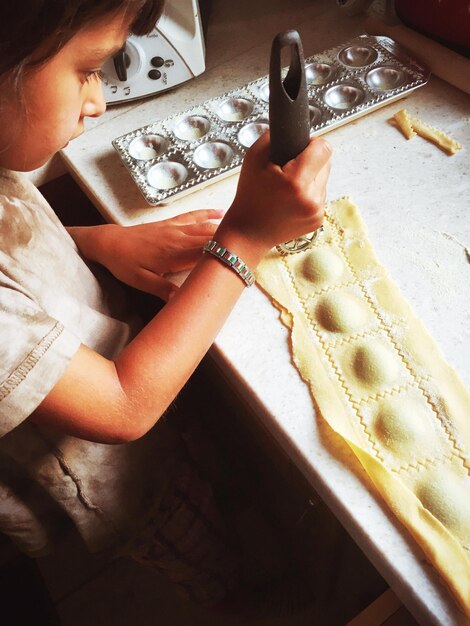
x: 140, y: 255
x: 274, y: 204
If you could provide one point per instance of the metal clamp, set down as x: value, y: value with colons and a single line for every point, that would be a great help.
x: 300, y: 244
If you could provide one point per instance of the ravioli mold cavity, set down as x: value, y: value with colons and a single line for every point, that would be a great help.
x: 343, y: 83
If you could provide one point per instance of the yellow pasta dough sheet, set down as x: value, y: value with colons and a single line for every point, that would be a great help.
x: 381, y: 382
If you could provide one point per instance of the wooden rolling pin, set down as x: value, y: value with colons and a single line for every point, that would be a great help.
x: 443, y: 62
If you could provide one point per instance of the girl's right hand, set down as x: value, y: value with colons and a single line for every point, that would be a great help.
x: 275, y: 204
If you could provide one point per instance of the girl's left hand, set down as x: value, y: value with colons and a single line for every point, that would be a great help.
x: 140, y: 255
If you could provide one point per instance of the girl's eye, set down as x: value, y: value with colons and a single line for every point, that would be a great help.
x: 93, y: 75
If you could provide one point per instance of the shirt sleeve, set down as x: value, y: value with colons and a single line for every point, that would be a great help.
x: 35, y: 350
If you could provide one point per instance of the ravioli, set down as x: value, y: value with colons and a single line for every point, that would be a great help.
x: 381, y: 382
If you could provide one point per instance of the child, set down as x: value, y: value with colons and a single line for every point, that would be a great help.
x: 77, y: 372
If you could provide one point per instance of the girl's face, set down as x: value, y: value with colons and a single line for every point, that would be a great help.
x: 56, y: 96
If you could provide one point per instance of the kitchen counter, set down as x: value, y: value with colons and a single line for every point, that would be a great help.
x: 414, y: 200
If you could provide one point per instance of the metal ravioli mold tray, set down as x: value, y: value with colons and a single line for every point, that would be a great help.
x: 177, y: 155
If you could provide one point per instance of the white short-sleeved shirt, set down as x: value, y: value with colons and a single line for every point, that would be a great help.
x: 51, y: 301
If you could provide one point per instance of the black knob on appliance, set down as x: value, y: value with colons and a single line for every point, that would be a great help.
x: 121, y: 64
x: 157, y: 61
x: 289, y: 117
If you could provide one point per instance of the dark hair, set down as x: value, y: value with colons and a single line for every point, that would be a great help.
x: 30, y: 26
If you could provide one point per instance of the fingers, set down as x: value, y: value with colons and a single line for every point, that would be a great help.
x: 197, y: 217
x: 201, y: 231
x: 154, y: 284
x: 259, y: 151
x: 322, y: 177
x: 316, y: 154
x: 310, y: 161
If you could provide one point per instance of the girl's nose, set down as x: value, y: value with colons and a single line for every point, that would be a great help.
x: 94, y: 103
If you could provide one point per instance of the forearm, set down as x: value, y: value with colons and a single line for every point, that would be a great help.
x: 158, y: 362
x: 118, y: 401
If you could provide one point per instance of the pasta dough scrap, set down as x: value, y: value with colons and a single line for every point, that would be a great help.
x: 410, y: 126
x: 404, y: 124
x: 380, y: 381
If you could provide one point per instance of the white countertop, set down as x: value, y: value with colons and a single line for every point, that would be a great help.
x: 414, y: 200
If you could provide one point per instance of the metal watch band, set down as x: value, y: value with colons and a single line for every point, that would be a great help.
x: 230, y: 259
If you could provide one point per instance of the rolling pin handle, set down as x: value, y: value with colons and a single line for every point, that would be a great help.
x: 289, y: 117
